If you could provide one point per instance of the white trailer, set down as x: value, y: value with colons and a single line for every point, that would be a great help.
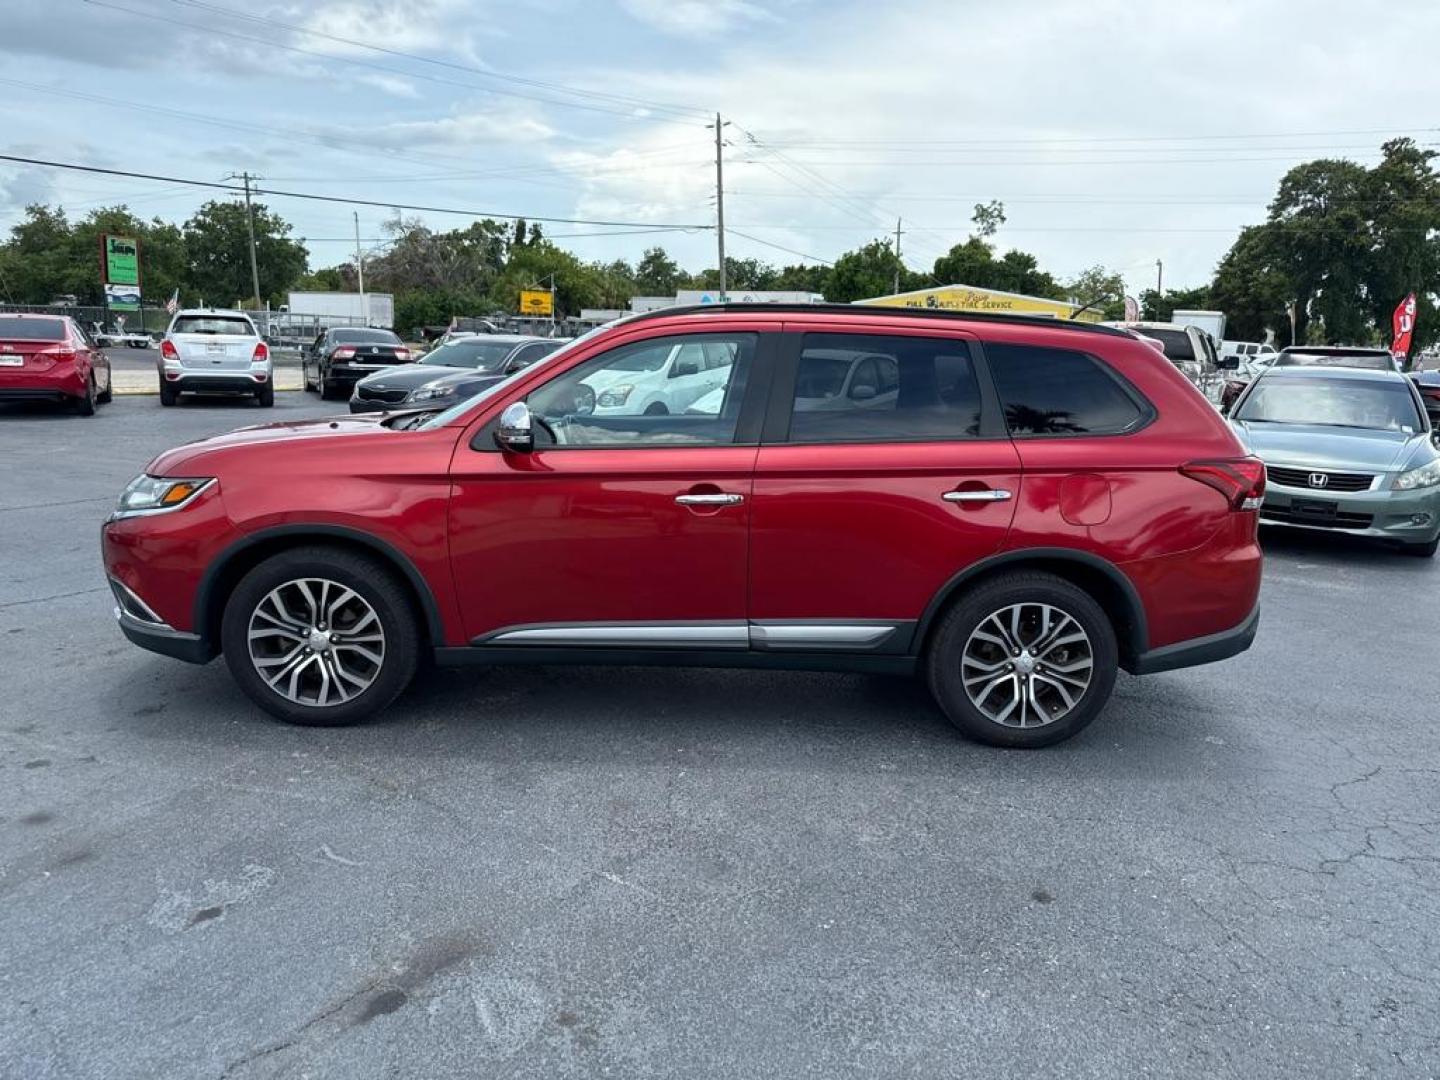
x: 345, y: 307
x: 1212, y: 322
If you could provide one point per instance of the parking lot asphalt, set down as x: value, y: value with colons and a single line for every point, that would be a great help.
x: 653, y: 873
x: 133, y: 370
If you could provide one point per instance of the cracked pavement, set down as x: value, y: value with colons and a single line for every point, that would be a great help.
x: 648, y: 873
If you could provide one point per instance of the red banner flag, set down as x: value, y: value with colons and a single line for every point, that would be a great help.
x: 1404, y: 325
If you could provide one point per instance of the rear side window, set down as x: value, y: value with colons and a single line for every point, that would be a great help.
x: 878, y: 388
x: 32, y: 329
x: 213, y: 324
x: 1177, y: 342
x: 1059, y: 392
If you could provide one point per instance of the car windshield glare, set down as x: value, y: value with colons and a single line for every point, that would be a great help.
x: 480, y: 355
x: 1348, y: 403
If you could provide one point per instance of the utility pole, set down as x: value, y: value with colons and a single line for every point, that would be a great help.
x: 720, y: 198
x: 360, y: 271
x: 250, y: 229
x: 898, y: 263
x: 1159, y: 280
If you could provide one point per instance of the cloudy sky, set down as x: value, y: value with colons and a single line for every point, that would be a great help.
x: 1115, y: 133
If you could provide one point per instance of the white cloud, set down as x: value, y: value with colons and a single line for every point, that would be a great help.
x: 465, y: 129
x: 697, y: 18
x: 389, y: 84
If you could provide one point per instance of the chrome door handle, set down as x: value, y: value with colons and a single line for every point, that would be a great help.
x: 987, y: 495
x: 717, y: 499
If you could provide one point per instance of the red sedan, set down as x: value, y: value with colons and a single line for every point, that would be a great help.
x: 52, y: 358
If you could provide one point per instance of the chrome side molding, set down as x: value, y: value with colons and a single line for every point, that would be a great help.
x: 770, y: 636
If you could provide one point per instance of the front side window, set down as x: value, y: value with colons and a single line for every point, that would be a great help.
x: 881, y: 388
x: 670, y: 391
x: 1059, y: 392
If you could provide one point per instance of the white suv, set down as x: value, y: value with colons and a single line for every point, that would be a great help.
x: 213, y: 351
x: 664, y: 380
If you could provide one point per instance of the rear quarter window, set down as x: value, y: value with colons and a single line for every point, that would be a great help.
x: 1047, y: 391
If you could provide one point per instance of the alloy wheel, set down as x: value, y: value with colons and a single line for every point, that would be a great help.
x: 316, y: 642
x: 1027, y: 665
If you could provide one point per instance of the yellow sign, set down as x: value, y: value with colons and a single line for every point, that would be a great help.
x: 967, y: 298
x: 537, y: 302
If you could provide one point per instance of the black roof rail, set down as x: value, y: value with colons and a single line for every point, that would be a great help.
x: 733, y: 307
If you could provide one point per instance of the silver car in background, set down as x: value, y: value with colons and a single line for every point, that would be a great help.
x: 1345, y: 450
x: 214, y: 351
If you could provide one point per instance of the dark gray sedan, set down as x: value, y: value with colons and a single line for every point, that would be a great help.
x: 1345, y: 450
x: 485, y: 356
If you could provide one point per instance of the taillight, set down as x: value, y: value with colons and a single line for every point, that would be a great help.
x: 261, y: 353
x: 168, y: 351
x: 60, y: 353
x: 1240, y: 480
x: 402, y: 355
x: 345, y: 352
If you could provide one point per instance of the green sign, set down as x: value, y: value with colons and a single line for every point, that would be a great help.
x: 122, y: 260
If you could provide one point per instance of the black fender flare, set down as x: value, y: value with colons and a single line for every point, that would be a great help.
x: 1134, y: 637
x: 215, y: 572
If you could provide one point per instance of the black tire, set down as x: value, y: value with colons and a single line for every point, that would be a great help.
x: 376, y: 585
x: 328, y: 390
x: 108, y: 394
x: 1422, y: 551
x: 265, y: 396
x: 85, y: 403
x: 947, y: 648
x: 168, y: 394
x: 656, y: 408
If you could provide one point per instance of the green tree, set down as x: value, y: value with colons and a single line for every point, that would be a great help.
x: 1251, y: 288
x: 657, y: 274
x: 866, y: 272
x: 1103, y: 290
x: 988, y: 217
x: 970, y: 263
x: 1161, y: 307
x: 218, y: 255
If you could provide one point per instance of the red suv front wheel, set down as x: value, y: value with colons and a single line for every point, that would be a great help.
x: 320, y: 636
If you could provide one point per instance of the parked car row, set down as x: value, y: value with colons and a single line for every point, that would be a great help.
x: 52, y: 358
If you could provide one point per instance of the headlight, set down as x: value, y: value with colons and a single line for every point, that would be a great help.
x: 153, y: 495
x: 614, y: 395
x: 1423, y: 477
x: 431, y: 393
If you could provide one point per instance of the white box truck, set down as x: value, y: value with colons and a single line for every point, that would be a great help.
x: 345, y: 307
x: 1212, y: 322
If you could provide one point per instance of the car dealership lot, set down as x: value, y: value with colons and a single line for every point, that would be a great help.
x: 627, y: 872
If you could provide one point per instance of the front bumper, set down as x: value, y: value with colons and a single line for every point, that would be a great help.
x: 139, y: 622
x: 1409, y: 516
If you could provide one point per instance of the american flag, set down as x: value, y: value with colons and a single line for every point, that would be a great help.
x: 173, y: 304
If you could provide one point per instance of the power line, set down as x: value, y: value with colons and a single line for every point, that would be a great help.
x: 1103, y: 138
x: 311, y: 196
x: 781, y: 247
x: 1041, y: 162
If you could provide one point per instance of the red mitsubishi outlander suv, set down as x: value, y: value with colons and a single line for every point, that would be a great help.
x: 1011, y: 508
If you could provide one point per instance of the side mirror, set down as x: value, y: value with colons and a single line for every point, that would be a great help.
x: 863, y: 392
x: 685, y: 367
x: 514, y: 433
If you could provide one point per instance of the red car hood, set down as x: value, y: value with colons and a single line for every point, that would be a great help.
x: 174, y: 462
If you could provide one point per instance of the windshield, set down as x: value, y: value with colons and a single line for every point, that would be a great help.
x: 1352, y: 403
x: 459, y: 409
x: 213, y: 324
x: 32, y: 329
x: 470, y: 353
x: 353, y: 336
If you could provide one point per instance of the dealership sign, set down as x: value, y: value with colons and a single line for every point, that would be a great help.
x: 120, y: 271
x: 537, y: 302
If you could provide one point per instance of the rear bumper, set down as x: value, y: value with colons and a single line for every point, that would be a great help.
x: 1201, y: 650
x: 227, y: 383
x: 61, y: 382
